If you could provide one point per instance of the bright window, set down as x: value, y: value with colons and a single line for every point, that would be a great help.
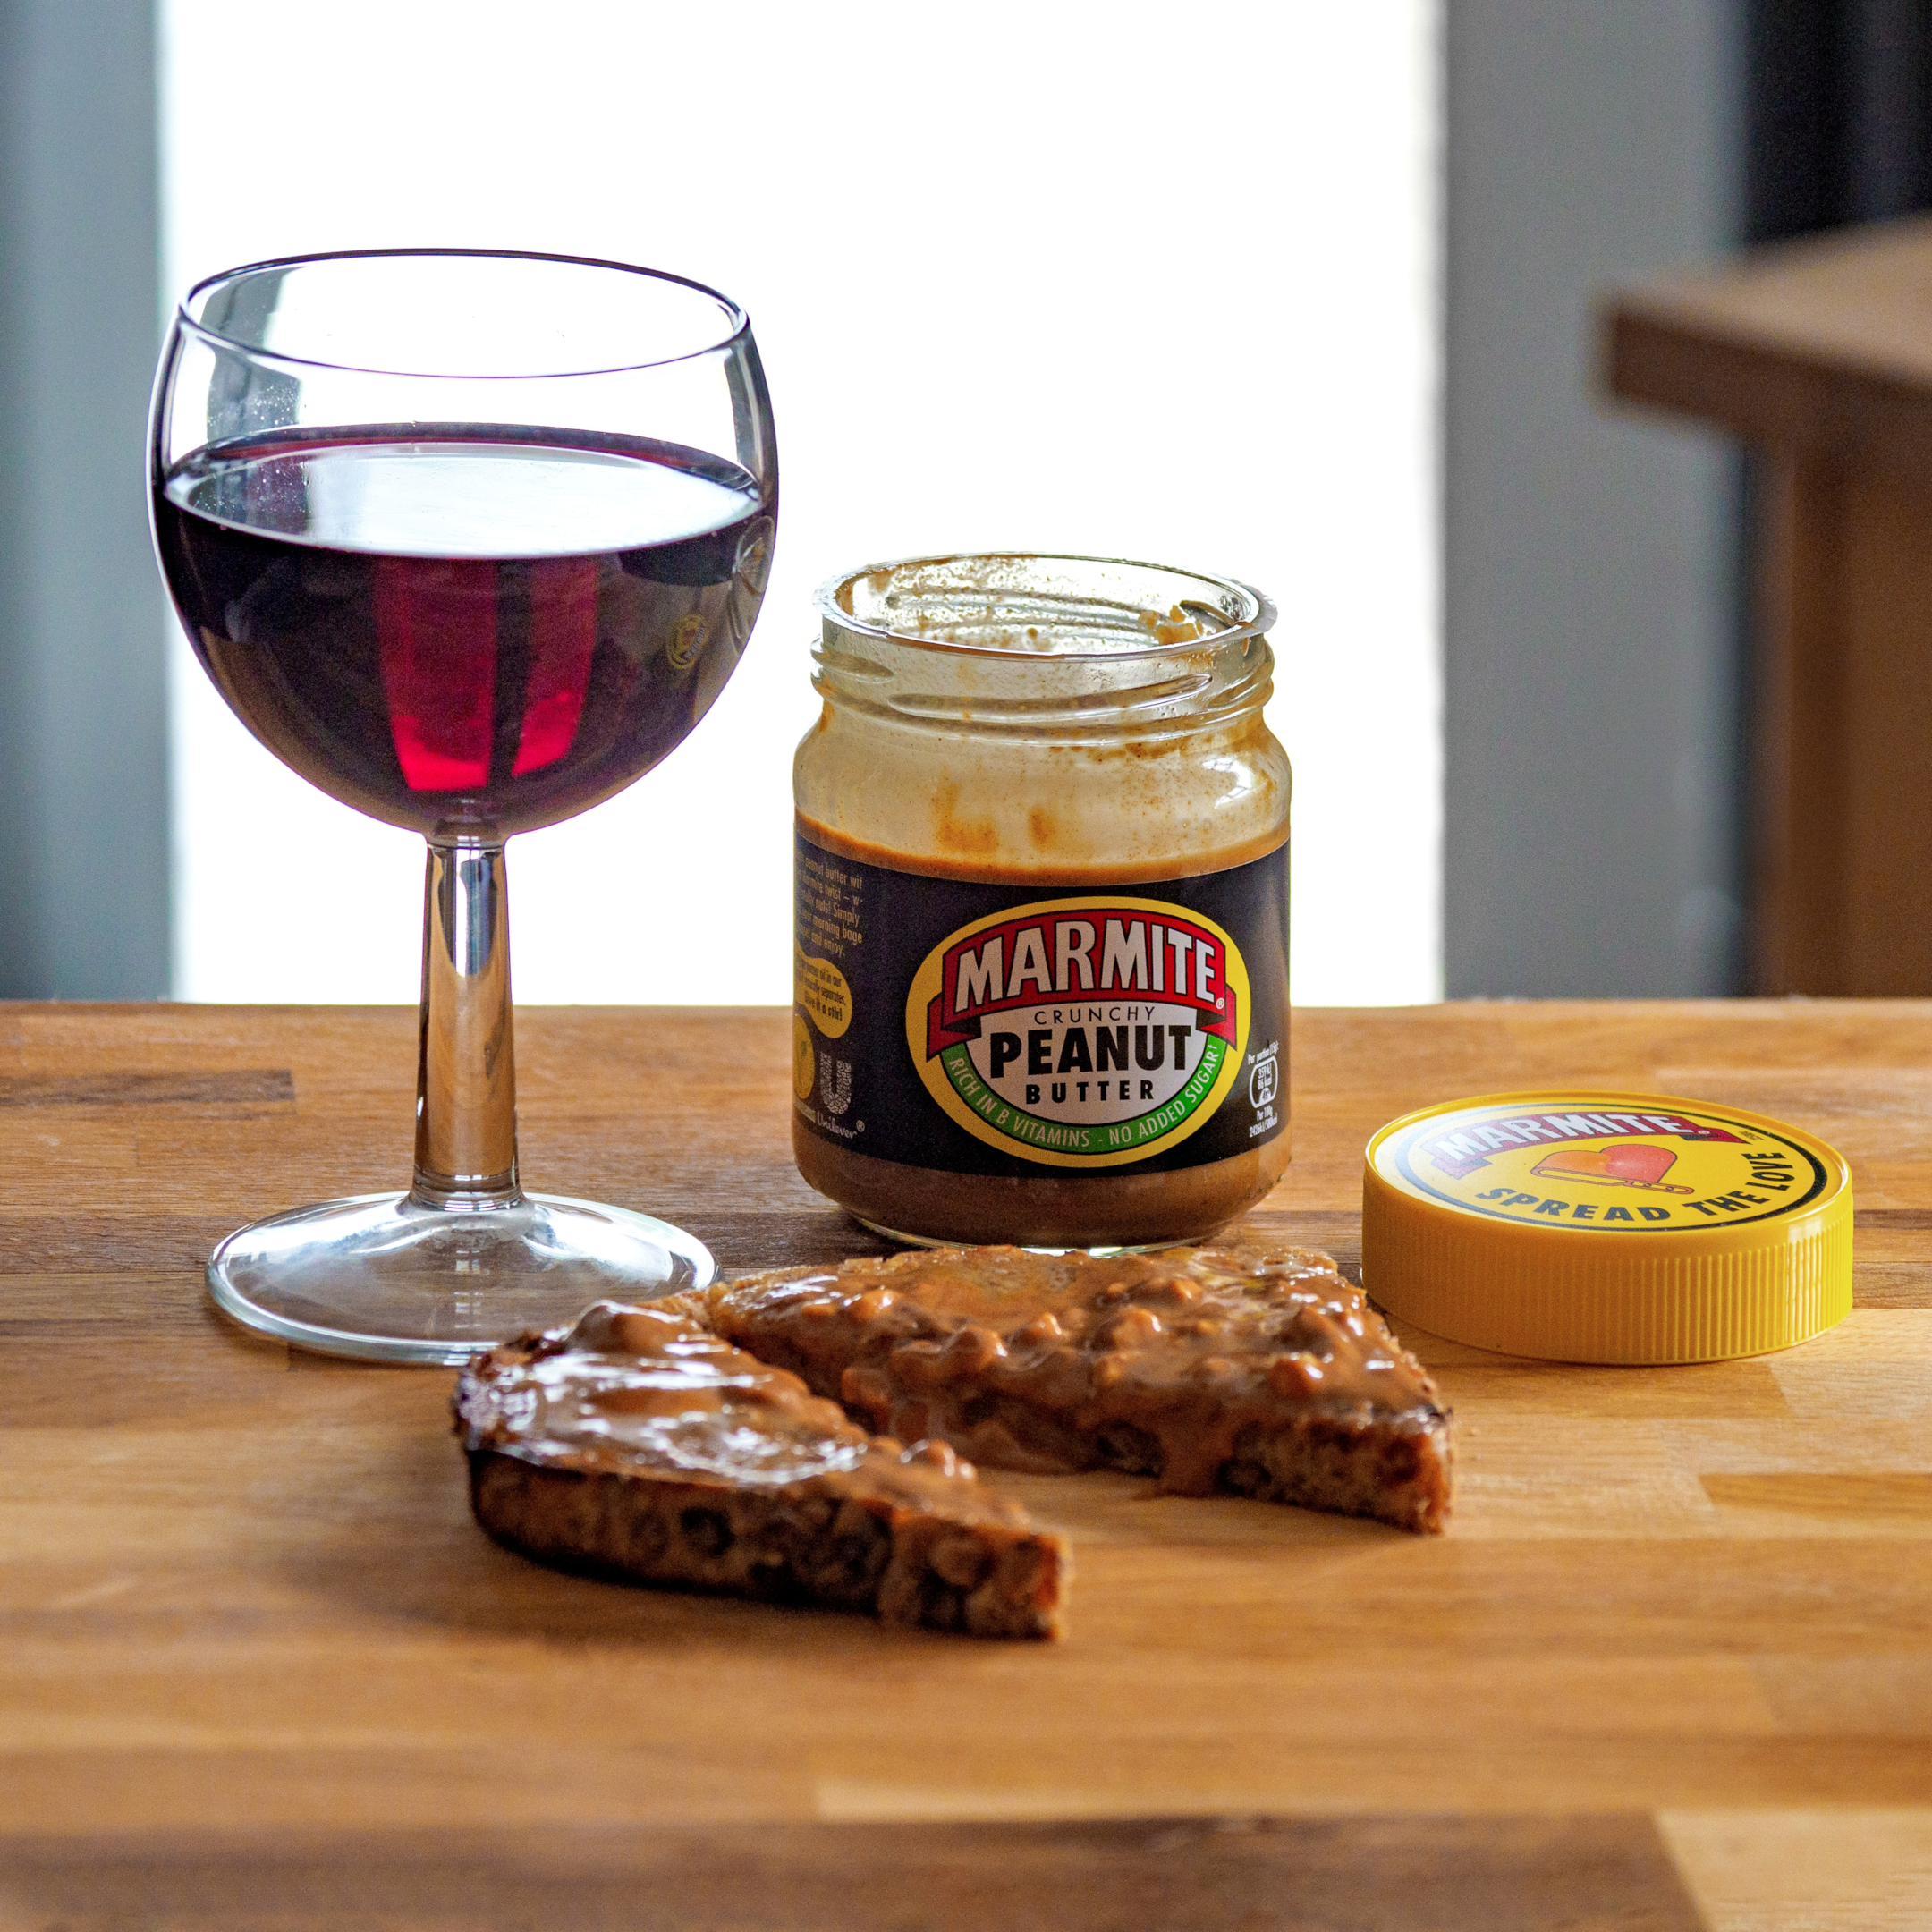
x: 1118, y: 279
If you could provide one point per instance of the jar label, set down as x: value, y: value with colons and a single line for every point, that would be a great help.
x: 986, y: 1028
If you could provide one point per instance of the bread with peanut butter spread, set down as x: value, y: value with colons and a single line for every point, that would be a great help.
x: 641, y: 1444
x: 1246, y: 1370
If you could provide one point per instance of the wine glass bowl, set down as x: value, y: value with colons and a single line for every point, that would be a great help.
x: 471, y: 541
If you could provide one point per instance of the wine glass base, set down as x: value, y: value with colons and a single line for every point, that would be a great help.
x: 382, y: 1277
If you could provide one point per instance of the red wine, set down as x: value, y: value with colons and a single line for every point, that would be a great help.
x: 472, y: 629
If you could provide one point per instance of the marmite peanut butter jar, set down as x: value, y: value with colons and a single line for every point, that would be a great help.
x: 1041, y: 959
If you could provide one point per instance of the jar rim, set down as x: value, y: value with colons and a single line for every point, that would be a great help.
x: 1256, y: 612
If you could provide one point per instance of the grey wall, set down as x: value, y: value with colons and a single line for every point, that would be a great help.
x: 83, y: 716
x: 1592, y: 808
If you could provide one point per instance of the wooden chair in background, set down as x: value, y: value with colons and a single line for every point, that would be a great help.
x: 1818, y: 355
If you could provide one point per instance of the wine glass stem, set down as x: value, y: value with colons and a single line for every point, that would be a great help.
x: 466, y: 1151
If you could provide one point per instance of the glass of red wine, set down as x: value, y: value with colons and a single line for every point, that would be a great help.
x: 471, y: 540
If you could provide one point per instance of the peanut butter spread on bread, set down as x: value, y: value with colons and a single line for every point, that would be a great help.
x: 1254, y: 1371
x: 647, y: 1388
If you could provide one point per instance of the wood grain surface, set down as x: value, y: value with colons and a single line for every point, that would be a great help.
x: 1672, y: 1666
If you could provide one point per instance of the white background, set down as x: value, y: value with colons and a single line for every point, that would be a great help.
x: 1127, y: 279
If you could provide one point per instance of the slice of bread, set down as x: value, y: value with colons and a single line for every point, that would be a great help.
x: 1245, y: 1369
x: 638, y: 1445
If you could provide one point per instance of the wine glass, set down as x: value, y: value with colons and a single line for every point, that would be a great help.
x: 471, y: 540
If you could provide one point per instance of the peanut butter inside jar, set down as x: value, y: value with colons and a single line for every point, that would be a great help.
x: 1041, y: 970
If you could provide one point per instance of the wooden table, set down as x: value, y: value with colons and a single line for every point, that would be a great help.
x: 1818, y: 355
x: 259, y: 1668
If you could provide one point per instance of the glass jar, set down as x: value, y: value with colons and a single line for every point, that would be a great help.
x: 1041, y: 959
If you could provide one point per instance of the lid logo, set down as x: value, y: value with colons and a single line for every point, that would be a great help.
x: 1603, y: 1164
x: 1081, y: 1033
x: 1463, y: 1149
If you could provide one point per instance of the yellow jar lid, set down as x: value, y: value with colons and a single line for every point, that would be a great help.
x: 1606, y: 1228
